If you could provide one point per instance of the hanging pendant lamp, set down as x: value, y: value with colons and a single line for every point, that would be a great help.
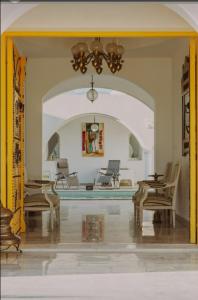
x: 92, y: 94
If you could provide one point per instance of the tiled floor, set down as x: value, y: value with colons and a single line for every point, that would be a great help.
x: 99, y: 237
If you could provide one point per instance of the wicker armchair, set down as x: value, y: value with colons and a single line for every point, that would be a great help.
x: 153, y: 184
x: 162, y: 201
x: 40, y: 196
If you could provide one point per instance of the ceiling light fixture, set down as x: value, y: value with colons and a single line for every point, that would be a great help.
x: 92, y: 94
x: 83, y: 55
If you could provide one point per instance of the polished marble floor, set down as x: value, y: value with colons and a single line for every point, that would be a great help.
x: 141, y: 286
x: 99, y: 237
x: 60, y: 263
x: 102, y: 221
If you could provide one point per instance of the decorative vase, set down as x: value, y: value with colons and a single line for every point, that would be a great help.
x: 7, y: 238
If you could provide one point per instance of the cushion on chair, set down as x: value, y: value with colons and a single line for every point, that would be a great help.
x: 157, y: 201
x: 35, y: 200
x: 39, y: 200
x: 125, y: 182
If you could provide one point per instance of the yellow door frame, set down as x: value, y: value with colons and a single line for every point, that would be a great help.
x: 193, y: 144
x: 196, y: 132
x: 193, y: 103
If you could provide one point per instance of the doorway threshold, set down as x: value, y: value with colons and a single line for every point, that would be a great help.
x: 110, y: 248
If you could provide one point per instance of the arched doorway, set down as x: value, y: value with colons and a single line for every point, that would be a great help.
x: 137, y: 117
x: 193, y: 144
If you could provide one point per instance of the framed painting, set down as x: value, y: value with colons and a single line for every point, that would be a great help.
x: 93, y: 139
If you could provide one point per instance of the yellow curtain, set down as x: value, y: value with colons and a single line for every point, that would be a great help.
x: 15, y: 135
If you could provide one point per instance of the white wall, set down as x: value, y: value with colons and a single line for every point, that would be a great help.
x: 152, y: 74
x: 116, y: 146
x: 181, y: 50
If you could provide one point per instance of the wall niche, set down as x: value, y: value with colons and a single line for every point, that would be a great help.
x: 135, y: 150
x: 54, y: 147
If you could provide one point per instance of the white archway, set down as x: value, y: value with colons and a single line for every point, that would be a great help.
x: 59, y: 125
x: 66, y: 101
x: 103, y: 81
x: 12, y: 12
x: 67, y: 107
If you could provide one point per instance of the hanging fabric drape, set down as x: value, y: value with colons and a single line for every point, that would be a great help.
x: 15, y: 135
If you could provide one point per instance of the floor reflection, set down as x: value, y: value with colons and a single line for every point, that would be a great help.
x: 38, y: 229
x: 97, y: 237
x: 108, y: 221
x: 93, y: 228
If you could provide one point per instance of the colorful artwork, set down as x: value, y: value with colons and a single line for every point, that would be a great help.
x: 92, y: 141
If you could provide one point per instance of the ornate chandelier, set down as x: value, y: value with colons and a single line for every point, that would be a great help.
x: 83, y: 55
